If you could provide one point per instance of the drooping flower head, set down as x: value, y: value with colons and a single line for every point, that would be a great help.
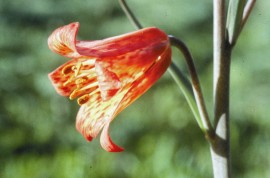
x: 107, y: 75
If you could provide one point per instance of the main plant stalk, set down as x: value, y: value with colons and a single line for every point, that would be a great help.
x: 220, y: 145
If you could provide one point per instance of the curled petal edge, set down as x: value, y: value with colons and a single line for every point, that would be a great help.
x: 63, y: 40
x: 106, y: 142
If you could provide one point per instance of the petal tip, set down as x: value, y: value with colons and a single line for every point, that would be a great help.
x: 63, y: 40
x: 106, y: 142
x: 112, y: 148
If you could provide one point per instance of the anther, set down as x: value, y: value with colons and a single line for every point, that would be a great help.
x: 77, y: 68
x: 67, y: 69
x: 83, y: 99
x: 80, y: 81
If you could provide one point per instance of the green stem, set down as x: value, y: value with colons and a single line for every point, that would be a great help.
x: 198, y: 110
x: 130, y: 15
x: 207, y: 126
x: 248, y: 8
x: 234, y: 19
x: 220, y: 146
x: 238, y: 13
x: 186, y: 89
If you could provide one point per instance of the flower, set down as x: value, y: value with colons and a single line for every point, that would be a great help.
x: 107, y: 75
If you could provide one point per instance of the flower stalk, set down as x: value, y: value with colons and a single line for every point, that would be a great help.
x: 224, y: 39
x: 130, y: 14
x: 204, y: 118
x: 195, y: 97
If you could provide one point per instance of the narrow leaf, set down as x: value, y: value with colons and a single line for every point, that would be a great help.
x: 234, y: 19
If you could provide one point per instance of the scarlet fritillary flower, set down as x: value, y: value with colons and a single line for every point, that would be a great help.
x: 107, y: 75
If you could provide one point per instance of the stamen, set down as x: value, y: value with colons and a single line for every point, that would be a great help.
x: 88, y: 89
x: 81, y: 81
x: 94, y: 84
x: 79, y: 73
x: 89, y: 62
x: 77, y: 68
x: 88, y: 72
x: 68, y: 81
x: 83, y: 75
x: 83, y: 99
x: 67, y: 69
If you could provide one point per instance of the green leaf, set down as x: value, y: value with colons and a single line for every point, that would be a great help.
x: 185, y: 86
x: 234, y: 19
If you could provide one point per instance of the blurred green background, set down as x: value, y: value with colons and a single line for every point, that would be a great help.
x: 162, y: 140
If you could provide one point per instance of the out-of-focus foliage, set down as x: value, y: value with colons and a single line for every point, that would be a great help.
x: 37, y: 134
